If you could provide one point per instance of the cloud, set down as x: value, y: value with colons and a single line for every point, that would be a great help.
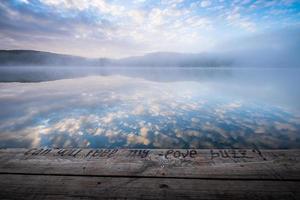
x: 133, y: 140
x: 144, y: 131
x: 99, y: 28
x: 81, y: 5
x: 24, y: 1
x: 235, y: 19
x: 205, y: 4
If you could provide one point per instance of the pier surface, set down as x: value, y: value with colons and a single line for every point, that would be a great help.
x: 149, y: 174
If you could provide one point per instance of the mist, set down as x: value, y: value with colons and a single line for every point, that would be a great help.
x: 277, y: 48
x: 273, y: 49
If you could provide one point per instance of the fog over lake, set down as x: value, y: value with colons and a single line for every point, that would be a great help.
x: 132, y: 107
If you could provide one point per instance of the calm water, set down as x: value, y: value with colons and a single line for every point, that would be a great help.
x: 149, y: 108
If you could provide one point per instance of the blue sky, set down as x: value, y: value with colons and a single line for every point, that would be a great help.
x: 119, y: 28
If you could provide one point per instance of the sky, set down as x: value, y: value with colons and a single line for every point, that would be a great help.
x: 120, y: 28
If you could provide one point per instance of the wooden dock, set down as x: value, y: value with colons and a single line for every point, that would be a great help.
x: 149, y: 174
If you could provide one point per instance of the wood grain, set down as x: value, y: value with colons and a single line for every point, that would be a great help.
x: 149, y: 174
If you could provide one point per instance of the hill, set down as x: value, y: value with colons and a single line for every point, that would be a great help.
x: 158, y: 59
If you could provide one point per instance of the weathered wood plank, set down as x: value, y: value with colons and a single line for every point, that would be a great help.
x: 70, y: 187
x: 149, y: 174
x: 210, y: 164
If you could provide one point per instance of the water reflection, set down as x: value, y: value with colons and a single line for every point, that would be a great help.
x: 118, y: 111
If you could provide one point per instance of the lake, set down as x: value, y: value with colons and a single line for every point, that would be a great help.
x: 131, y: 107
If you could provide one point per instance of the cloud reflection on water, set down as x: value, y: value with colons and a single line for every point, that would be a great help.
x: 118, y: 111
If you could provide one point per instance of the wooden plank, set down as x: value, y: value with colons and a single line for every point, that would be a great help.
x: 149, y: 174
x: 72, y: 187
x: 210, y: 164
